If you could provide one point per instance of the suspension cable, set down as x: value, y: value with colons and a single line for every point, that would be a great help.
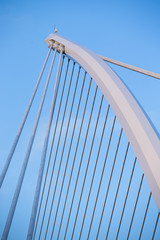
x: 46, y: 175
x: 80, y: 131
x: 81, y: 161
x: 95, y: 167
x: 155, y: 226
x: 135, y: 206
x: 145, y: 215
x: 117, y: 190
x: 56, y: 156
x: 133, y: 68
x: 7, y: 163
x: 54, y: 162
x: 24, y: 166
x: 124, y: 205
x: 95, y: 130
x: 104, y: 164
x: 64, y: 144
x: 73, y: 131
x: 41, y: 169
x: 48, y: 160
x: 109, y: 182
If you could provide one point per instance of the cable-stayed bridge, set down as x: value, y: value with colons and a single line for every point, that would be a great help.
x: 97, y: 173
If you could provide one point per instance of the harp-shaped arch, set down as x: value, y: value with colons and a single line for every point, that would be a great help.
x: 137, y: 127
x: 83, y: 180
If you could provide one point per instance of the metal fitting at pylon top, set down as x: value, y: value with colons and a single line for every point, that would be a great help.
x: 56, y: 45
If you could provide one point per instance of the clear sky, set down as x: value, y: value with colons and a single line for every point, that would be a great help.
x: 127, y: 31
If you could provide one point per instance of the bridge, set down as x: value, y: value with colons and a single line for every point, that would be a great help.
x: 98, y: 173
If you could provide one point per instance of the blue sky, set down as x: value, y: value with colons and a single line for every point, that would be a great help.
x: 127, y: 31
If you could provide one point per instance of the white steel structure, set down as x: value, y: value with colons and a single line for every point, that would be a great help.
x: 138, y: 129
x: 84, y: 139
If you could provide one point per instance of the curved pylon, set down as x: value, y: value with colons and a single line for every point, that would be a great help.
x: 139, y: 131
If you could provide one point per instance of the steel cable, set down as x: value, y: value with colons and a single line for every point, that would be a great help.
x: 117, y: 190
x: 74, y: 159
x: 44, y: 152
x: 49, y: 154
x: 7, y: 163
x: 68, y: 155
x: 25, y: 162
x: 62, y: 151
x: 155, y: 226
x: 95, y: 130
x: 145, y: 215
x: 124, y: 205
x: 80, y: 161
x: 104, y: 164
x: 135, y: 206
x: 97, y: 158
x: 60, y: 134
x: 109, y: 182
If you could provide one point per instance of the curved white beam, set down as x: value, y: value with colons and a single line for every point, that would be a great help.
x: 143, y: 139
